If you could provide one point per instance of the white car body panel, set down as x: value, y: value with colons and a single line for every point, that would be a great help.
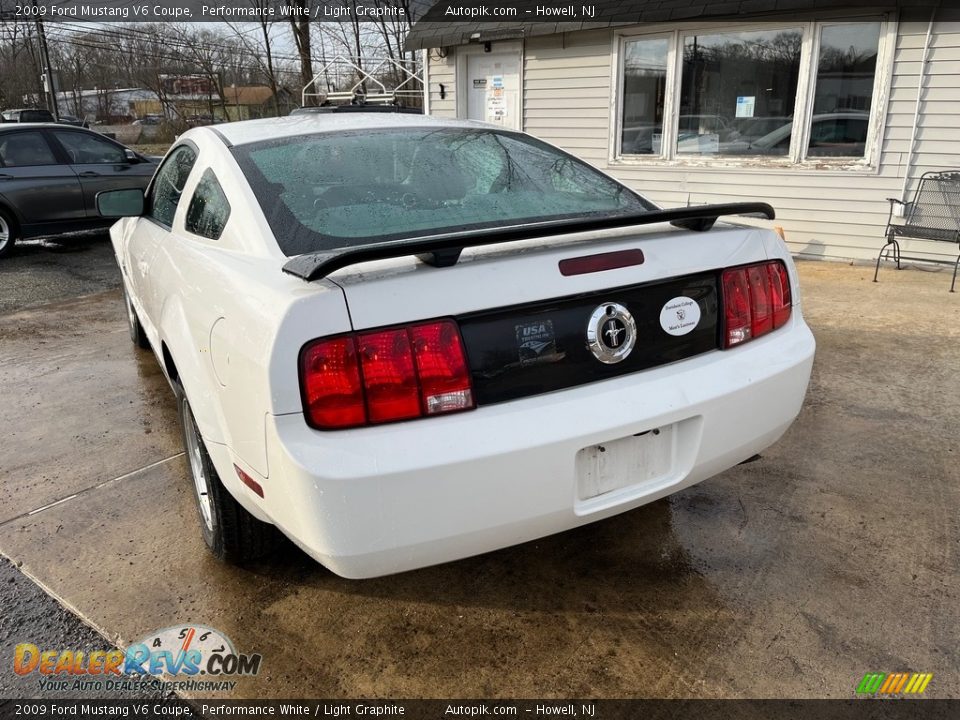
x: 403, y: 496
x: 375, y: 500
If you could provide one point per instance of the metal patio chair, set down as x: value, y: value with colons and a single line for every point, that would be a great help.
x: 933, y: 214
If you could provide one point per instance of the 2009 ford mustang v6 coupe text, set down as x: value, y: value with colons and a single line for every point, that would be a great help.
x: 401, y: 340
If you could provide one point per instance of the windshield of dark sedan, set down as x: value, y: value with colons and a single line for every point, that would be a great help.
x: 344, y: 189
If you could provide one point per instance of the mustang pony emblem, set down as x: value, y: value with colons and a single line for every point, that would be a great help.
x: 611, y: 333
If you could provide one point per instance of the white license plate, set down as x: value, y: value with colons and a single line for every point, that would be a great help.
x: 626, y: 462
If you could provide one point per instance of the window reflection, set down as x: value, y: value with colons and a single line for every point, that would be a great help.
x: 844, y: 90
x: 644, y: 88
x: 736, y: 89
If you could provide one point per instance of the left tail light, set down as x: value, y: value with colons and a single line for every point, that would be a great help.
x: 383, y: 376
x: 756, y: 300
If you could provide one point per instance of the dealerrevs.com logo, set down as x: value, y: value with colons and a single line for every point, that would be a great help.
x: 184, y: 652
x: 900, y: 683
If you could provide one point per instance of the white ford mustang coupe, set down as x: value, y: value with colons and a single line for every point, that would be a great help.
x: 402, y: 340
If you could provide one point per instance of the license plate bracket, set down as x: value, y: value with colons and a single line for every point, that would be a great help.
x: 636, y: 460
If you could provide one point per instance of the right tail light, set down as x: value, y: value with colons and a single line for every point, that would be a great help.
x: 756, y: 300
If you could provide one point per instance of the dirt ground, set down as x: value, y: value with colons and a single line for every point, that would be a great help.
x: 834, y: 555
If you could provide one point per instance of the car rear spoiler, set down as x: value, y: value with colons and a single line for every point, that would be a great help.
x: 444, y: 249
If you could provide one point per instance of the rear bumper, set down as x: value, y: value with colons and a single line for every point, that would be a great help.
x: 375, y: 501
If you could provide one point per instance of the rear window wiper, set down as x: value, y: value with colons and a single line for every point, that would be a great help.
x: 443, y: 249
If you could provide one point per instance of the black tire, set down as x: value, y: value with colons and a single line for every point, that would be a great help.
x: 231, y: 533
x: 9, y: 232
x: 137, y: 335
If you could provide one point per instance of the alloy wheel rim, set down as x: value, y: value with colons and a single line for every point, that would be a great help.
x: 4, y: 233
x: 200, y: 484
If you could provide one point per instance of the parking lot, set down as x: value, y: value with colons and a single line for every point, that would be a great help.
x: 834, y: 555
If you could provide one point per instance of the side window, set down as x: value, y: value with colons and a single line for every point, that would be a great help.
x: 209, y: 210
x: 24, y: 149
x: 84, y: 148
x: 168, y: 184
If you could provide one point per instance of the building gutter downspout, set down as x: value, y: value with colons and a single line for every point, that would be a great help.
x: 921, y: 86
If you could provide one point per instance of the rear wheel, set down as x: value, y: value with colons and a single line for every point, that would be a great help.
x: 232, y: 534
x: 137, y: 335
x: 8, y: 232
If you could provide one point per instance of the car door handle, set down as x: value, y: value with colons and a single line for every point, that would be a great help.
x: 89, y: 173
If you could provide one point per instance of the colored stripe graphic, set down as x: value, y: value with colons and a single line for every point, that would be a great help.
x: 894, y: 683
x: 919, y: 681
x: 871, y: 683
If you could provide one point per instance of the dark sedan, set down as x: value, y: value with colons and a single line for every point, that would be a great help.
x: 50, y: 176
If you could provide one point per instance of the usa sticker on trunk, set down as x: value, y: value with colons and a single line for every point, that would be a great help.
x: 680, y: 316
x: 536, y: 342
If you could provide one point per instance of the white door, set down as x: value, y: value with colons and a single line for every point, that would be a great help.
x: 493, y: 88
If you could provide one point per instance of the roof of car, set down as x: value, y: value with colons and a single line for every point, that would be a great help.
x: 28, y: 125
x: 11, y: 126
x: 250, y: 131
x: 35, y: 124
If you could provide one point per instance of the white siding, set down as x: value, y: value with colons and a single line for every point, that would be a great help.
x: 442, y: 71
x: 567, y: 91
x: 568, y: 101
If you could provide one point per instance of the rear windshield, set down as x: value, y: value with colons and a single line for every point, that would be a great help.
x: 28, y: 116
x: 334, y: 190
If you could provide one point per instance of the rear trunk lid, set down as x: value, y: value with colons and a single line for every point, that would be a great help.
x: 525, y: 324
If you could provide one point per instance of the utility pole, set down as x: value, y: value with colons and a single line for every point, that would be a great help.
x: 47, y: 70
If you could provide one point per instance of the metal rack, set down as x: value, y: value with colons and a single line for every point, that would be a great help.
x: 374, y: 81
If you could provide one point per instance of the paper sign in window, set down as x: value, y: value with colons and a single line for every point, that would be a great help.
x: 746, y: 105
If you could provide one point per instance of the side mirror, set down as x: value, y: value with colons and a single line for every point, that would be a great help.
x: 131, y: 156
x: 120, y: 203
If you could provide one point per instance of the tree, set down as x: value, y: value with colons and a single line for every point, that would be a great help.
x: 300, y: 25
x: 262, y: 55
x: 20, y: 65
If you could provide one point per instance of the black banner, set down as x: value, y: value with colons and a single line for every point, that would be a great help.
x: 104, y: 11
x: 467, y: 11
x: 863, y: 709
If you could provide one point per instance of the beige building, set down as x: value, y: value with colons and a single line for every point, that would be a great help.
x: 822, y: 113
x: 255, y: 101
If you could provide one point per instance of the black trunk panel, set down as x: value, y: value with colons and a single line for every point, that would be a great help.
x: 532, y: 349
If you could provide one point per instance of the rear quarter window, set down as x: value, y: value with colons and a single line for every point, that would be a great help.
x: 209, y: 209
x: 36, y: 116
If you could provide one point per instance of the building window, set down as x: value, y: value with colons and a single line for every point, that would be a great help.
x: 644, y: 91
x: 846, y: 69
x: 775, y: 94
x: 735, y: 88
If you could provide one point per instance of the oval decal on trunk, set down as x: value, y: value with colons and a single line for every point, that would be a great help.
x: 680, y: 315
